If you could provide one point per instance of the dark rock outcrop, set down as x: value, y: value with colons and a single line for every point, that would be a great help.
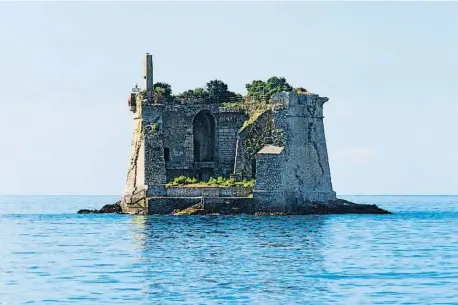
x: 338, y: 206
x: 106, y: 209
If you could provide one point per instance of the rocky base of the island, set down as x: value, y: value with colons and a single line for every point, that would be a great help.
x: 341, y: 206
x: 338, y: 206
x: 114, y: 208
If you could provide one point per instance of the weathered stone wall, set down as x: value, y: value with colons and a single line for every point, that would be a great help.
x: 163, y: 144
x: 166, y: 205
x: 269, y: 189
x: 269, y: 167
x: 305, y: 173
x: 229, y: 122
x: 135, y: 174
x: 178, y: 135
x: 135, y: 183
x: 180, y: 191
x: 154, y: 146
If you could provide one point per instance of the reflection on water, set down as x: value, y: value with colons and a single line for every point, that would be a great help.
x: 58, y: 256
x: 236, y: 258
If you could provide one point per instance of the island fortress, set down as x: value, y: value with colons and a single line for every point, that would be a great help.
x: 258, y: 154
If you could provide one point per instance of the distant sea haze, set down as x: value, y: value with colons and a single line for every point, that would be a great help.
x: 50, y: 254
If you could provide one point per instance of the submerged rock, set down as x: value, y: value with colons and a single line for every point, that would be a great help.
x: 114, y: 208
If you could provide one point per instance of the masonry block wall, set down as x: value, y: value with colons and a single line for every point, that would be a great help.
x: 200, y: 140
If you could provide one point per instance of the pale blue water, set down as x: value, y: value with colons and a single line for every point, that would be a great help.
x: 49, y: 254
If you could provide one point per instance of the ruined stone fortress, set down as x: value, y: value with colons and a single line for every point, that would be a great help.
x: 281, y: 144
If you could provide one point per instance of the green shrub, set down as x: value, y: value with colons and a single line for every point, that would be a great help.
x: 215, y: 182
x: 212, y: 182
x: 191, y: 180
x: 246, y: 183
x: 229, y: 182
x: 179, y: 180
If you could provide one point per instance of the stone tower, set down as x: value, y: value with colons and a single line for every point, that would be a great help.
x: 297, y: 173
x: 146, y: 173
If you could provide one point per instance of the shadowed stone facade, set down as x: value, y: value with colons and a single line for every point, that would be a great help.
x: 282, y: 146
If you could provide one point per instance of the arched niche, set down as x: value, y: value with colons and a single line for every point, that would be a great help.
x: 204, y: 136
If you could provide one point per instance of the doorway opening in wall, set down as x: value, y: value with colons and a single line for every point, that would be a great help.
x: 166, y: 154
x: 204, y: 136
x: 196, y: 150
x: 253, y: 169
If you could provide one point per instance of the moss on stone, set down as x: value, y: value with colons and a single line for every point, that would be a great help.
x: 235, y: 106
x: 251, y: 120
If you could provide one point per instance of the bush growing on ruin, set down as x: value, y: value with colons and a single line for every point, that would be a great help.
x: 278, y: 84
x: 215, y: 91
x: 191, y: 180
x: 260, y: 90
x: 163, y: 88
x: 215, y: 182
x: 179, y: 180
x: 218, y: 91
x: 198, y: 93
x: 162, y: 93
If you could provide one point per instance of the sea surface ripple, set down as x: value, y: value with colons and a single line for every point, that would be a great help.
x: 50, y: 254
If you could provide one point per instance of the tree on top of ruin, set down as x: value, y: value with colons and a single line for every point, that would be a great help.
x: 218, y: 91
x: 261, y: 90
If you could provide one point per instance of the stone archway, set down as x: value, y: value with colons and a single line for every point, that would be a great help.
x: 204, y: 136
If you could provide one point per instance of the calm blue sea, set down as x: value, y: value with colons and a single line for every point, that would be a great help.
x: 50, y: 254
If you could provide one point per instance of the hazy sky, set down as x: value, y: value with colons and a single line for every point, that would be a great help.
x: 390, y: 71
